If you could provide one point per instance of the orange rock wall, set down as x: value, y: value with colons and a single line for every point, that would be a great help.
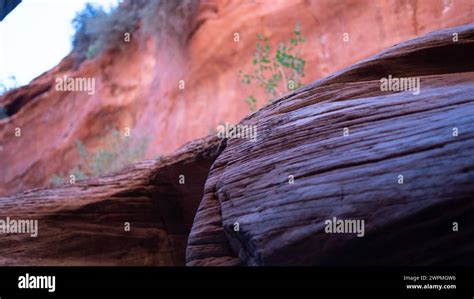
x: 139, y: 88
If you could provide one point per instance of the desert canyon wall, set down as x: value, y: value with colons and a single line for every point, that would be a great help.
x: 139, y: 88
x: 233, y: 181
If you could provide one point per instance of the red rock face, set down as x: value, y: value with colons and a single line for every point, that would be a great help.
x: 404, y: 170
x: 139, y: 88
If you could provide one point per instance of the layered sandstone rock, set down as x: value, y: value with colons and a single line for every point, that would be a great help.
x: 140, y: 216
x: 402, y: 168
x: 139, y: 87
x: 390, y: 134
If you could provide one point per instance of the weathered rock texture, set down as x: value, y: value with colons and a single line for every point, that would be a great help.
x: 86, y: 223
x: 354, y: 176
x: 300, y: 134
x: 139, y: 88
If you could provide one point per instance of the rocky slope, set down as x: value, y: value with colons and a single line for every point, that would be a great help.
x: 139, y: 88
x: 352, y: 176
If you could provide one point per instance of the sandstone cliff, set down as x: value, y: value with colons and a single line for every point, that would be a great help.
x: 139, y: 88
x: 354, y: 175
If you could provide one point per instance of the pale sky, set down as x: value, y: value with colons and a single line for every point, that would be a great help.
x: 36, y: 35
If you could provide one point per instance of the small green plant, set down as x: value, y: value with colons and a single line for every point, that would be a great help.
x: 115, y: 155
x: 56, y: 180
x: 276, y: 72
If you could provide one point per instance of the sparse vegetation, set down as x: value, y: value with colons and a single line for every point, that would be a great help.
x: 97, y: 31
x: 276, y: 72
x: 83, y: 41
x: 117, y: 153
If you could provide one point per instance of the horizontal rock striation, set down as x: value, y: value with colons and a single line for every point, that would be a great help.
x: 138, y: 87
x: 339, y: 147
x: 87, y: 223
x: 400, y: 167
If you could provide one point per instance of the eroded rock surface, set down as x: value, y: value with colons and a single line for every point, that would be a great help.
x: 139, y: 89
x: 87, y: 223
x: 391, y: 134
